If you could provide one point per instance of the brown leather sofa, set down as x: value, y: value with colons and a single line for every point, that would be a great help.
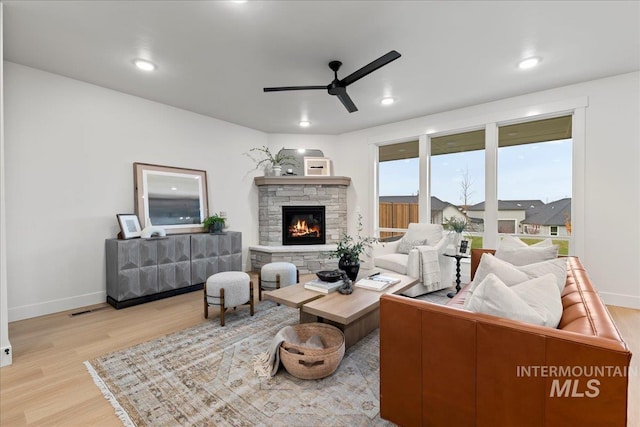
x: 444, y: 366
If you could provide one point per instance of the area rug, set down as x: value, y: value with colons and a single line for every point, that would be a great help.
x: 204, y: 376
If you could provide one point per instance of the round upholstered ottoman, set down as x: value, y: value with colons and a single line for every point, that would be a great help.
x: 276, y: 275
x: 228, y: 289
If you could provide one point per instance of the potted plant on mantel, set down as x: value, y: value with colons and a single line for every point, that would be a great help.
x: 349, y: 250
x: 214, y: 223
x: 273, y: 161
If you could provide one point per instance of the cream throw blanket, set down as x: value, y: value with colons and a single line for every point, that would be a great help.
x: 266, y: 364
x: 429, y: 267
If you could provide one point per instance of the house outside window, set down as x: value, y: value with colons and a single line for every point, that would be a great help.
x: 553, y: 230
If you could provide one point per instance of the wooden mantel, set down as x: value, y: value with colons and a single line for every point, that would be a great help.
x: 306, y: 180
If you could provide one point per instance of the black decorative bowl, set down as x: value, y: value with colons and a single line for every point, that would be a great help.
x: 329, y: 275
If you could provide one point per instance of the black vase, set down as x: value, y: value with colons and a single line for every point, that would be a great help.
x: 349, y: 266
x: 216, y: 228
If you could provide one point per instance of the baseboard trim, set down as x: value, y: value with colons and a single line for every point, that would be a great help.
x: 6, y: 356
x: 55, y: 306
x: 153, y: 297
x: 620, y: 300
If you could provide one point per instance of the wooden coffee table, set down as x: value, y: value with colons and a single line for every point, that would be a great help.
x: 356, y: 315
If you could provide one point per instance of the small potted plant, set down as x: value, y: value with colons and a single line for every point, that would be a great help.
x: 214, y: 223
x: 350, y: 249
x: 273, y: 161
x: 458, y: 225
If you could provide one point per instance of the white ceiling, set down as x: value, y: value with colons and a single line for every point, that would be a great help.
x: 214, y: 58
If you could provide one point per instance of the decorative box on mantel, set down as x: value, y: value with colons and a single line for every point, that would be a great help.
x: 275, y: 192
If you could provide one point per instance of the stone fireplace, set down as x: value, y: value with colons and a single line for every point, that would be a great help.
x: 290, y: 193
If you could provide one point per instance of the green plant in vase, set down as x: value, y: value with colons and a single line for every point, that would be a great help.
x: 214, y: 223
x: 350, y: 249
x: 272, y: 161
x: 458, y: 225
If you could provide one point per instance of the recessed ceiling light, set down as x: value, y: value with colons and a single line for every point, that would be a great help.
x: 144, y: 65
x: 387, y: 101
x: 304, y: 124
x: 529, y: 63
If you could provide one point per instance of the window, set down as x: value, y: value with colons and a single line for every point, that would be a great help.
x: 398, y: 183
x: 535, y: 179
x: 457, y: 179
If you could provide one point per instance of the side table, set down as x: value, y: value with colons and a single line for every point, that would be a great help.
x: 458, y: 257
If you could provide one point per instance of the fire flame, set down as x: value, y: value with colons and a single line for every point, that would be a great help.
x: 301, y: 229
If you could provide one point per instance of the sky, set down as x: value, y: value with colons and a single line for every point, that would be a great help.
x: 540, y: 171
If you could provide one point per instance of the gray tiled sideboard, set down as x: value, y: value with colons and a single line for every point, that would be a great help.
x: 143, y: 270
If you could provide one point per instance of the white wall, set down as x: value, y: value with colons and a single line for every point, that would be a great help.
x: 6, y: 355
x: 612, y: 176
x: 70, y: 148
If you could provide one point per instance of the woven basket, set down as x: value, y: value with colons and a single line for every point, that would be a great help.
x: 308, y: 363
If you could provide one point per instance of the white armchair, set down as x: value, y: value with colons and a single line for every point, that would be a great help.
x: 420, y: 253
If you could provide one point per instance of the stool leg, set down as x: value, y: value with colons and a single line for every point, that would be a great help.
x: 260, y: 286
x: 278, y: 283
x: 222, y: 309
x: 206, y: 305
x: 251, y: 297
x: 297, y: 276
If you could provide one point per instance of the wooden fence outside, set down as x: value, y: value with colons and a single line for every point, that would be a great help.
x: 396, y: 215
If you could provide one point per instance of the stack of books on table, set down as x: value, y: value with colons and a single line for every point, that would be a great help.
x: 377, y: 282
x: 322, y: 286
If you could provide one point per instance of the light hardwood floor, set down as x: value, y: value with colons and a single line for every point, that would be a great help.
x: 49, y: 385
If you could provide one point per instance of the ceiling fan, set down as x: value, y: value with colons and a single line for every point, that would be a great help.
x: 339, y: 87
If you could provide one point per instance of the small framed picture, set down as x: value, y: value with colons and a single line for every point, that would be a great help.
x: 465, y: 247
x: 317, y: 166
x: 129, y: 226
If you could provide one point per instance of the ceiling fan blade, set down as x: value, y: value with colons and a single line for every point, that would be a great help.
x: 347, y: 102
x: 370, y: 68
x: 278, y: 89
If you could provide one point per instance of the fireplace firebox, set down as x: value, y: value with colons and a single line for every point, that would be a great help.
x: 303, y: 225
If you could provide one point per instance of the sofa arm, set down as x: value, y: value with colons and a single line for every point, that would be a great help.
x: 384, y: 248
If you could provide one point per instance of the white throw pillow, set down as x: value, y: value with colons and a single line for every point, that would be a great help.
x: 557, y: 267
x: 406, y: 245
x: 534, y: 301
x: 527, y: 255
x: 513, y: 242
x: 493, y: 297
x: 543, y: 296
x: 512, y: 275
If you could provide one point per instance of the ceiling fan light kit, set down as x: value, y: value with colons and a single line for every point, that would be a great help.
x: 339, y: 87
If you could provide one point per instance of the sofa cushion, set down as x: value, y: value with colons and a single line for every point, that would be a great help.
x: 527, y: 255
x: 534, y: 301
x: 511, y: 274
x: 406, y: 245
x: 394, y: 262
x: 493, y: 297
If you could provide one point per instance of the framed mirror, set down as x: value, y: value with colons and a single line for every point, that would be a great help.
x: 172, y: 198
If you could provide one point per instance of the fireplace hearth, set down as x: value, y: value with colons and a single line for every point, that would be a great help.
x: 303, y: 225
